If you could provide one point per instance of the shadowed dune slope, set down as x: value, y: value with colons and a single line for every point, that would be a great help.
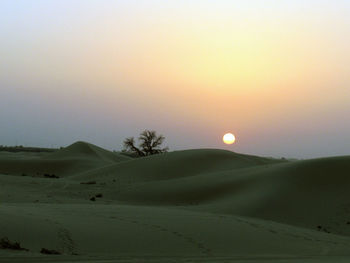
x: 38, y: 167
x: 73, y: 159
x: 175, y: 165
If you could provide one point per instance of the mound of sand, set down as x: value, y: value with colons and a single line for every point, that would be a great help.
x: 202, y: 205
x: 87, y: 150
x: 73, y: 159
x: 310, y: 193
x: 176, y: 164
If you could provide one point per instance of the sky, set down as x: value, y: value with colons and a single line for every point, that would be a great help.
x: 274, y: 73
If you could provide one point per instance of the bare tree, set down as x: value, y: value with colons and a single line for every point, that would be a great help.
x: 129, y: 146
x: 150, y: 144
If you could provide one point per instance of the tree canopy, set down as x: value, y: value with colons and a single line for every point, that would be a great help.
x: 149, y: 144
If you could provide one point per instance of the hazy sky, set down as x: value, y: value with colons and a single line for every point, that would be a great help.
x: 275, y: 73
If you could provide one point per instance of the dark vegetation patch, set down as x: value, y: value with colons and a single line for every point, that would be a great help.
x: 89, y: 182
x: 49, y: 251
x: 5, y: 243
x: 98, y: 195
x: 322, y: 228
x: 93, y: 199
x: 21, y: 148
x: 51, y: 176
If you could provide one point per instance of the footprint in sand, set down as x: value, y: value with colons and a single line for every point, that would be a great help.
x: 201, y: 246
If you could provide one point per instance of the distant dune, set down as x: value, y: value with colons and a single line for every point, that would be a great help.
x: 73, y: 159
x: 88, y: 151
x: 201, y: 205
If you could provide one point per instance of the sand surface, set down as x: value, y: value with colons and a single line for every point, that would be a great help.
x: 202, y: 205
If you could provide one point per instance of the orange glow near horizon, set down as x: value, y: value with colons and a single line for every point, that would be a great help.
x: 183, y: 65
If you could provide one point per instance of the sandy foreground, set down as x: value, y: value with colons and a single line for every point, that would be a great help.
x: 186, y: 206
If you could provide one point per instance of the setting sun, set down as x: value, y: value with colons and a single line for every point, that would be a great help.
x: 229, y: 138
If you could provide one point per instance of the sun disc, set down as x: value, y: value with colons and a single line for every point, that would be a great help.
x: 229, y: 138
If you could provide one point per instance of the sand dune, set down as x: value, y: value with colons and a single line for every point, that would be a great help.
x: 87, y: 150
x: 73, y: 159
x: 176, y: 165
x: 203, y: 205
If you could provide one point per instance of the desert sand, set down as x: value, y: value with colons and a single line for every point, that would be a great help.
x: 202, y: 205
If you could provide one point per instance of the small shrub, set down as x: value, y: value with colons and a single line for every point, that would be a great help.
x: 49, y: 251
x: 5, y: 243
x: 51, y: 176
x: 89, y: 182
